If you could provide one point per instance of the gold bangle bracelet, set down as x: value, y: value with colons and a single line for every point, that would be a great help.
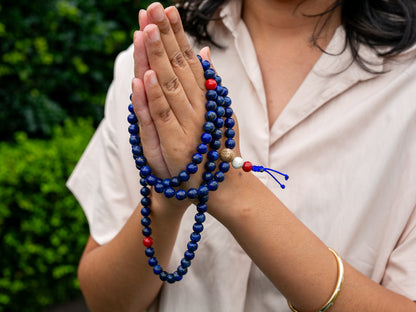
x: 337, y: 290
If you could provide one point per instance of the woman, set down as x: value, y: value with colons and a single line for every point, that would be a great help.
x: 341, y: 123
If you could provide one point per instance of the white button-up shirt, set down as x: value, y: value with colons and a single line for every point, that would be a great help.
x: 347, y: 139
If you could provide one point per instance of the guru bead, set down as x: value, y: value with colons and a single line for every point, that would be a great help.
x: 227, y: 155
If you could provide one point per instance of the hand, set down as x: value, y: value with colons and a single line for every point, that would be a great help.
x: 168, y: 90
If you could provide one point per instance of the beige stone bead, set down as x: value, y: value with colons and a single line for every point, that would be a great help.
x: 227, y: 155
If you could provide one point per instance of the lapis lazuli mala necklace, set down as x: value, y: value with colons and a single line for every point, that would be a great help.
x: 218, y: 117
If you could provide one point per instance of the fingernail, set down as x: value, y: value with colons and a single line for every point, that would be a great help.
x: 173, y: 16
x: 157, y: 13
x: 152, y: 78
x: 153, y: 33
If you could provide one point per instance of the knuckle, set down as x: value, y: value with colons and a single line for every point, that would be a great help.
x: 172, y: 85
x: 165, y: 114
x: 178, y: 60
x: 189, y: 54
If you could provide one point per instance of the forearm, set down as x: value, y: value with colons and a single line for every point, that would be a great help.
x: 116, y: 276
x: 291, y: 256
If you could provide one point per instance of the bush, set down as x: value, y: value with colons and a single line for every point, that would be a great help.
x: 57, y: 59
x: 42, y: 228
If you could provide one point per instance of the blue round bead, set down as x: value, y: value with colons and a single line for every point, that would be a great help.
x: 211, y: 106
x: 205, y: 65
x: 227, y: 101
x: 183, y: 176
x: 203, y: 199
x: 213, y: 185
x: 198, y: 228
x: 182, y: 270
x: 218, y: 89
x: 134, y: 128
x: 145, y: 191
x: 174, y: 182
x: 170, y: 278
x: 146, y: 221
x: 224, y: 91
x: 219, y: 122
x: 134, y: 139
x: 219, y: 176
x: 229, y: 133
x: 209, y: 73
x: 228, y: 112
x: 189, y: 255
x: 192, y: 193
x: 210, y: 116
x: 229, y: 122
x: 199, y: 58
x: 151, y: 180
x: 191, y: 168
x: 202, y: 148
x: 159, y: 188
x: 229, y: 143
x: 177, y: 276
x: 202, y: 207
x: 145, y: 171
x: 157, y: 269
x: 202, y: 191
x: 185, y: 263
x: 213, y: 155
x: 215, y: 145
x: 218, y: 79
x: 163, y: 276
x: 130, y: 107
x: 145, y: 211
x: 207, y: 176
x: 206, y: 138
x: 192, y: 246
x: 199, y: 218
x: 140, y: 161
x: 180, y: 194
x: 169, y: 192
x: 149, y: 252
x: 147, y: 231
x: 137, y: 150
x: 217, y: 134
x: 132, y: 118
x: 210, y: 166
x: 220, y: 101
x: 166, y: 182
x: 145, y: 201
x: 211, y: 95
x: 195, y: 237
x: 224, y: 166
x: 209, y: 126
x: 143, y: 182
x: 197, y: 158
x: 152, y: 261
x: 220, y: 111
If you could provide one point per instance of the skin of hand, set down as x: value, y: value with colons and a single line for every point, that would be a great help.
x: 168, y: 93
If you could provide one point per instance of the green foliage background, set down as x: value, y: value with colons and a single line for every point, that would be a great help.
x: 56, y: 63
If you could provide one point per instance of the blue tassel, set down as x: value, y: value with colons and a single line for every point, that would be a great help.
x: 269, y: 172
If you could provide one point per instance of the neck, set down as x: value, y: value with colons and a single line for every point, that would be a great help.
x: 280, y: 19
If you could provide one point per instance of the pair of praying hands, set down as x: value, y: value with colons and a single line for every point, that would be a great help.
x: 168, y: 90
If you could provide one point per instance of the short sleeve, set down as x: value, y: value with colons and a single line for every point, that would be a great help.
x: 105, y: 180
x: 400, y: 274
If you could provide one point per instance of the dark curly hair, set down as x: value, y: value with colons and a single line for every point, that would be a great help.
x: 387, y: 26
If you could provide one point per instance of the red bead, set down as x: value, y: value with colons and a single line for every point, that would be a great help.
x: 247, y: 166
x: 148, y: 241
x: 210, y: 84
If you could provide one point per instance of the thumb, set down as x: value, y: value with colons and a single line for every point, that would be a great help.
x: 205, y: 53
